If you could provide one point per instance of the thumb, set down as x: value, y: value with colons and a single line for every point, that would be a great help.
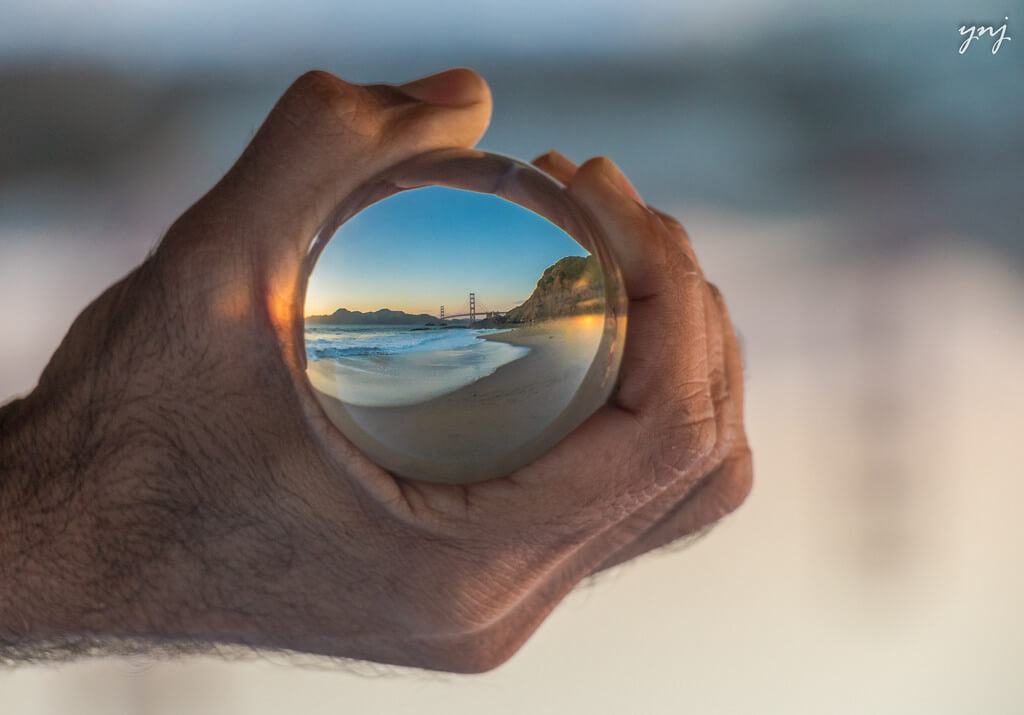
x: 323, y: 138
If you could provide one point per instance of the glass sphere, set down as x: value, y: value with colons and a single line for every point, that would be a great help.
x: 462, y: 315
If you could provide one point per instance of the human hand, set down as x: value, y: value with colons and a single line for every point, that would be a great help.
x: 172, y: 479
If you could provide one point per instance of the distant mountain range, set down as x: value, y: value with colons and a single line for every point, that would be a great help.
x: 384, y: 316
x: 570, y: 286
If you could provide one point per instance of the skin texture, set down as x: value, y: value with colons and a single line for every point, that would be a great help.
x: 172, y: 480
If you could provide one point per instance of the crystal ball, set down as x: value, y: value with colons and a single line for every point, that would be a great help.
x: 462, y: 315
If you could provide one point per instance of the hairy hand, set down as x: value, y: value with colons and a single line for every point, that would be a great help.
x: 173, y: 479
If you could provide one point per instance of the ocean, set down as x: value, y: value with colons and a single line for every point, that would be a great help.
x: 389, y: 365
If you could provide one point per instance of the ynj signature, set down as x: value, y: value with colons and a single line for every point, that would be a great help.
x: 976, y: 32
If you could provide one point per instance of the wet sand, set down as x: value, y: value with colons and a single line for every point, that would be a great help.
x: 489, y: 421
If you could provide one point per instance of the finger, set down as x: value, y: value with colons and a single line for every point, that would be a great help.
x: 653, y: 435
x: 719, y: 494
x: 732, y: 353
x: 322, y: 139
x: 548, y: 517
x: 557, y: 165
x: 562, y: 170
x: 725, y: 489
x: 679, y: 234
x: 530, y: 598
x: 635, y: 528
x: 662, y: 421
x: 531, y: 593
x: 666, y: 352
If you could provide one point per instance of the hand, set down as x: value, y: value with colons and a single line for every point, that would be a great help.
x: 173, y: 480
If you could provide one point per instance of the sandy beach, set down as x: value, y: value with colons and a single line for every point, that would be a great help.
x: 400, y: 379
x: 488, y: 422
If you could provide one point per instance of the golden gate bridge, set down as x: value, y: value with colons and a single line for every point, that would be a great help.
x: 472, y: 314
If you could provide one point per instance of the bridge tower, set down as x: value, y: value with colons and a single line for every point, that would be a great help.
x: 472, y: 307
x: 442, y: 312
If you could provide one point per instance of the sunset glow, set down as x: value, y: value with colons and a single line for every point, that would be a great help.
x: 425, y: 248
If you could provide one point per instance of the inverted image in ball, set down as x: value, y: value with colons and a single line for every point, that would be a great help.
x: 462, y: 316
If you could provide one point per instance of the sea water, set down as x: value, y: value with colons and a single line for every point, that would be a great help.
x: 388, y: 366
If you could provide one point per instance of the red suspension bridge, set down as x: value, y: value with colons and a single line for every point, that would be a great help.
x: 472, y: 314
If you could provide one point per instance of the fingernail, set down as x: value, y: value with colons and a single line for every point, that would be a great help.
x: 451, y: 88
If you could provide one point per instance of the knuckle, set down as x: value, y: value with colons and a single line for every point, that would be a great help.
x: 314, y: 81
x: 739, y: 482
x: 654, y: 225
x: 716, y: 293
x: 718, y: 300
x: 479, y: 594
x: 675, y: 235
x: 316, y: 91
x: 721, y: 390
x: 468, y: 614
x: 666, y: 270
x: 602, y: 161
x: 672, y: 223
x: 720, y: 494
x: 595, y: 165
x: 319, y: 89
x: 479, y: 653
x: 321, y: 103
x: 475, y: 607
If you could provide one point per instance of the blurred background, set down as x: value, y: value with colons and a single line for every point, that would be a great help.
x: 851, y: 182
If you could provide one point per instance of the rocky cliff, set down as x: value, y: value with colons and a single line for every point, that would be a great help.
x: 572, y: 286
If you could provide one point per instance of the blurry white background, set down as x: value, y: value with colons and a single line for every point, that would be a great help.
x: 850, y: 181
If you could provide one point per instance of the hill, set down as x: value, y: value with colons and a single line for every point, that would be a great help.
x: 384, y: 316
x: 571, y: 286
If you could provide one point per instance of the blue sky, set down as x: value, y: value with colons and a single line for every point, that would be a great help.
x: 428, y: 247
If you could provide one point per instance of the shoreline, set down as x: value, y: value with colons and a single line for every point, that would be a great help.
x: 405, y: 378
x: 487, y: 422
